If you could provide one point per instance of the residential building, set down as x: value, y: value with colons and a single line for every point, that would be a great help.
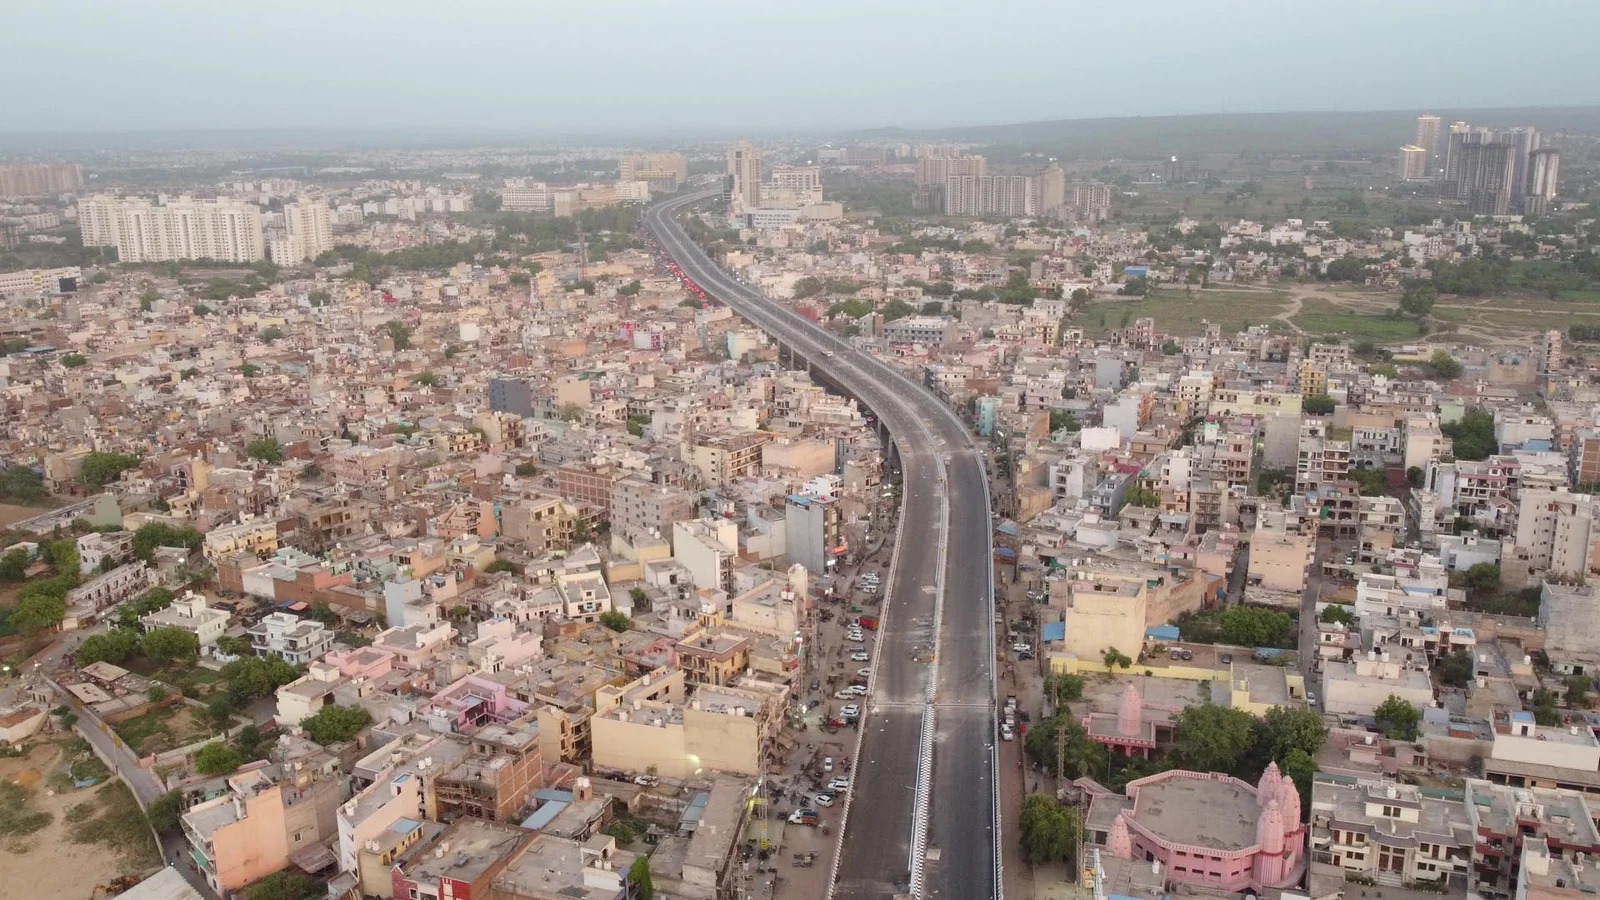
x: 262, y: 821
x: 1413, y: 164
x: 666, y: 172
x: 1393, y: 834
x: 1569, y: 615
x: 225, y: 230
x: 731, y: 457
x: 991, y: 195
x: 814, y: 531
x: 461, y: 863
x: 39, y: 179
x: 651, y: 724
x: 930, y: 330
x: 707, y: 548
x: 1428, y: 139
x: 511, y: 395
x: 109, y: 589
x: 39, y: 282
x: 525, y: 195
x: 296, y: 640
x: 192, y: 613
x: 1505, y: 819
x: 1555, y: 530
x: 642, y: 509
x: 308, y: 232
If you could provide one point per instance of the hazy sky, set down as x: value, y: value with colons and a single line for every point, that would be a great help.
x: 583, y: 66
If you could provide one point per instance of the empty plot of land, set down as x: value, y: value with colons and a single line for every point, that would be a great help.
x: 1184, y: 313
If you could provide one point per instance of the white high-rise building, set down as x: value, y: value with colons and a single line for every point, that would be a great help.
x: 185, y: 228
x: 309, y: 228
x: 1413, y: 165
x: 1428, y: 139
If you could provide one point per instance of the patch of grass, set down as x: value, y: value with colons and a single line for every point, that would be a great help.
x: 117, y: 823
x: 161, y: 729
x: 90, y: 767
x: 16, y: 817
x: 1181, y: 314
x: 1321, y: 317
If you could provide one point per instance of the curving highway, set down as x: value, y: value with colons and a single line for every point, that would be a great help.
x: 941, y: 580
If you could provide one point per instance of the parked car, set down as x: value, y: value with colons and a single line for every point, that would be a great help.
x: 860, y: 656
x: 1006, y: 733
x: 827, y: 764
x: 860, y: 690
x: 816, y: 684
x: 864, y: 672
x: 838, y: 784
x: 850, y: 711
x: 646, y: 780
x: 1020, y: 647
x: 823, y: 800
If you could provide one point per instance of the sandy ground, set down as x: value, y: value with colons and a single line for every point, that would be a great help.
x: 46, y: 863
x: 10, y: 513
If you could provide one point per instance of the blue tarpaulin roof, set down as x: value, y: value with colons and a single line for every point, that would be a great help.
x: 1161, y: 633
x: 544, y: 815
x: 1054, y: 631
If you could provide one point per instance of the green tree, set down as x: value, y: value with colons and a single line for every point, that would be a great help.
x: 256, y: 676
x: 897, y: 309
x: 63, y: 556
x: 1318, y: 405
x: 285, y: 885
x: 1339, y: 613
x: 1415, y: 476
x: 499, y: 565
x: 1483, y: 577
x: 398, y: 332
x: 100, y: 469
x: 639, y: 877
x: 74, y: 360
x: 616, y: 620
x: 1114, y: 658
x: 336, y: 724
x: 217, y: 758
x: 1171, y: 348
x: 1418, y: 298
x: 526, y: 470
x: 1472, y: 436
x: 1142, y: 497
x: 1301, y: 768
x: 164, y: 812
x: 220, y: 711
x: 1286, y: 729
x: 1398, y: 719
x: 807, y: 287
x: 249, y: 370
x: 1049, y: 830
x: 115, y: 646
x: 266, y: 449
x: 1345, y: 268
x: 426, y: 379
x: 1254, y: 626
x: 638, y: 598
x: 271, y: 334
x: 168, y: 644
x: 570, y: 412
x: 1065, y: 688
x: 631, y: 289
x: 1064, y: 419
x: 249, y: 741
x: 1457, y: 669
x: 38, y: 612
x: 1444, y: 365
x: 159, y: 534
x: 1212, y: 738
x: 1578, y: 688
x: 14, y: 565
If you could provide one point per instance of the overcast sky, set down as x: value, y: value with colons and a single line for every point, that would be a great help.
x: 632, y: 66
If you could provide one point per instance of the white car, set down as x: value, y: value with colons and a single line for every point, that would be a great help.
x: 823, y: 800
x: 850, y: 711
x: 864, y: 672
x: 860, y: 690
x: 861, y: 656
x: 839, y: 784
x: 827, y: 764
x: 1006, y: 733
x: 843, y: 695
x: 646, y: 780
x: 1020, y: 647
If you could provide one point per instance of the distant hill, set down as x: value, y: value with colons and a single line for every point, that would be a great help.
x: 1311, y: 133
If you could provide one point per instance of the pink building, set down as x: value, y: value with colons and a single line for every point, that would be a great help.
x: 359, y: 662
x: 1208, y: 829
x: 1134, y: 730
x: 471, y: 703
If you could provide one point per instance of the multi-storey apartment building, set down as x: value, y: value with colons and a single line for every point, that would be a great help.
x: 185, y: 228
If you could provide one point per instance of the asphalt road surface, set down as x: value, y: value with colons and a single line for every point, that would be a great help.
x: 938, y: 462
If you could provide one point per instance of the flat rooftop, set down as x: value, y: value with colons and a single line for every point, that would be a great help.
x: 474, y: 845
x: 1201, y: 812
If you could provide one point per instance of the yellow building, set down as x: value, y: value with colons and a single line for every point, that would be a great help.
x: 647, y: 726
x: 1313, y: 378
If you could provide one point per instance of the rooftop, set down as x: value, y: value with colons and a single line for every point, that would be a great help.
x: 1202, y: 812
